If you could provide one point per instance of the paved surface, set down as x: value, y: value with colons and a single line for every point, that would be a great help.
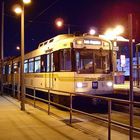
x: 124, y: 88
x: 34, y: 124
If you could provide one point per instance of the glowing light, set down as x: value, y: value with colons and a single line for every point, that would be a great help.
x: 113, y: 33
x: 79, y: 84
x: 59, y: 22
x: 79, y: 42
x: 26, y: 1
x: 18, y: 48
x: 18, y: 10
x: 118, y: 30
x: 109, y: 84
x: 92, y: 32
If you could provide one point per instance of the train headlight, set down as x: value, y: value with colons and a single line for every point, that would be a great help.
x: 110, y: 84
x: 81, y: 84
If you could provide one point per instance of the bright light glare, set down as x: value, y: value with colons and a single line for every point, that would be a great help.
x: 118, y: 30
x: 92, y: 31
x: 59, y: 22
x: 18, y: 10
x: 79, y: 85
x: 26, y: 1
x: 113, y: 33
x: 109, y: 84
x: 18, y: 48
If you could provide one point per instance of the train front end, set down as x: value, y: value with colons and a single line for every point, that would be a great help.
x: 94, y: 65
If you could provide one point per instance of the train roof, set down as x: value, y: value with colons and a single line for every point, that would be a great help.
x: 55, y: 39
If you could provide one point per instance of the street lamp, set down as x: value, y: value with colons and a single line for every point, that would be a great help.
x: 59, y: 22
x: 113, y: 33
x: 20, y: 10
x: 92, y: 31
x: 17, y: 48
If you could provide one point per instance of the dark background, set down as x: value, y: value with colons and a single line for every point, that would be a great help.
x: 80, y: 14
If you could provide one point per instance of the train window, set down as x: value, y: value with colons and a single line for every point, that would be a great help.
x: 43, y: 64
x: 45, y: 42
x: 38, y: 64
x: 40, y: 45
x: 31, y: 65
x: 102, y: 62
x: 65, y: 60
x: 9, y: 69
x: 15, y: 68
x: 84, y: 61
x: 56, y: 61
x: 26, y: 66
x: 52, y: 64
x: 51, y: 40
x: 48, y: 62
x: 4, y: 70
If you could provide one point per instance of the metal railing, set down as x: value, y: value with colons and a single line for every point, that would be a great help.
x: 71, y: 109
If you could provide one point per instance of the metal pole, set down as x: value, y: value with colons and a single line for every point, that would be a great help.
x: 137, y: 55
x: 49, y: 99
x: 70, y: 108
x: 34, y: 97
x: 68, y: 28
x: 22, y: 61
x: 109, y: 119
x: 2, y: 43
x: 131, y: 95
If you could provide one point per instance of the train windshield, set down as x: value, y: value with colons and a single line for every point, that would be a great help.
x: 93, y: 61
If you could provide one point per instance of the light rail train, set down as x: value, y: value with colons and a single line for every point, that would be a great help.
x: 67, y: 63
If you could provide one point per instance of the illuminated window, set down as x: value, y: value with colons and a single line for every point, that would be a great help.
x: 15, y: 68
x: 26, y: 66
x: 38, y: 64
x: 31, y: 65
x: 48, y: 62
x: 65, y: 60
x: 9, y: 69
x: 4, y: 70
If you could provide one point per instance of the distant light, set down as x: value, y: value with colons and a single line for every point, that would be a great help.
x: 26, y: 1
x: 18, y: 10
x: 59, y: 22
x: 118, y: 30
x: 18, y: 48
x: 92, y: 32
x: 112, y: 33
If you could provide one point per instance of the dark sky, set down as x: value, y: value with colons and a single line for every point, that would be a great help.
x: 80, y: 14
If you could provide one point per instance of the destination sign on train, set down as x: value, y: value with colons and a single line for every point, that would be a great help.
x: 92, y: 42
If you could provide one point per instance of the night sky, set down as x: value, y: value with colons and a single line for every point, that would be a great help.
x: 80, y: 14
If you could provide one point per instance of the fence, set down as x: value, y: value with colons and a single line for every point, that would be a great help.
x: 108, y: 120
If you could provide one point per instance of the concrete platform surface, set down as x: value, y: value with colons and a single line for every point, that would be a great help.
x: 125, y: 88
x: 34, y: 124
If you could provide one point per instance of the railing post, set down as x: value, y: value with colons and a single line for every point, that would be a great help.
x: 13, y: 86
x: 34, y: 97
x: 109, y: 119
x: 70, y: 108
x: 49, y: 99
x: 131, y: 93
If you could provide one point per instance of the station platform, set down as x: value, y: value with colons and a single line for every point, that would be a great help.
x: 34, y: 124
x: 125, y: 88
